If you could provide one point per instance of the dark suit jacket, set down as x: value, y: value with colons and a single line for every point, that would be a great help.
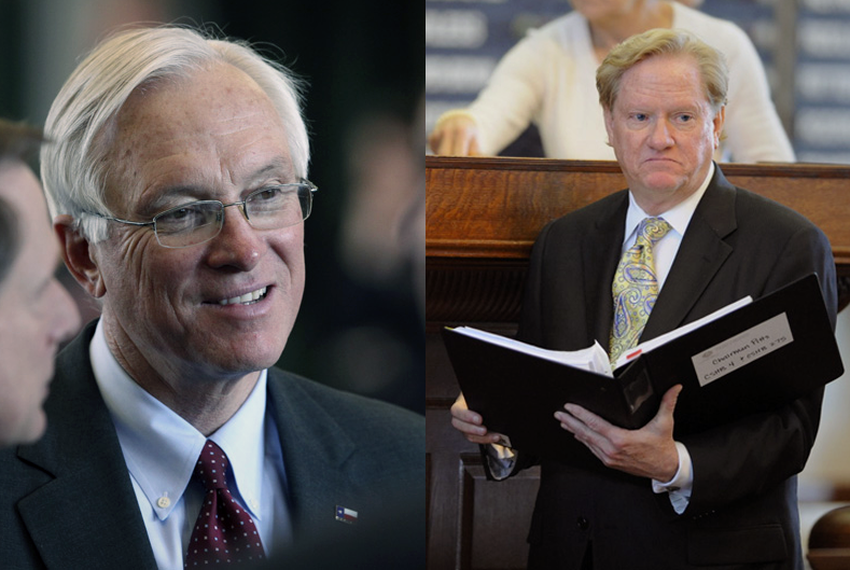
x: 743, y: 508
x: 68, y: 502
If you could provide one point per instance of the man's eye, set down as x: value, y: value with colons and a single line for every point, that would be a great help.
x: 639, y: 117
x: 179, y: 214
x: 269, y: 200
x: 180, y: 218
x: 685, y: 117
x: 183, y: 215
x: 266, y: 194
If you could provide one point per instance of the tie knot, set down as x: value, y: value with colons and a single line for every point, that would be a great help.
x: 653, y: 229
x: 212, y: 466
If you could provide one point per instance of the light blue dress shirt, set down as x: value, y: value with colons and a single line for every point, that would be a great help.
x: 161, y: 450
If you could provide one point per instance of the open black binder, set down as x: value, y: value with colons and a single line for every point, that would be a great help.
x: 752, y: 360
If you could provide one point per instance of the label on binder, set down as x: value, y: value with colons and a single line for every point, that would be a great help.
x: 742, y: 349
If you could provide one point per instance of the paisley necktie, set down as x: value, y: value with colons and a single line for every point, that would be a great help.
x: 635, y: 287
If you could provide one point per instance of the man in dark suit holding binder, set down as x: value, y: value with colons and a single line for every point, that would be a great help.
x: 724, y: 497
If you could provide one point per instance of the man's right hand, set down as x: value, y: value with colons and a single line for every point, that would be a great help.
x: 469, y: 423
x: 455, y: 136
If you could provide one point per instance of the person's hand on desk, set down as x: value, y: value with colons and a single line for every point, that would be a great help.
x: 455, y: 135
x: 646, y: 452
x: 469, y: 423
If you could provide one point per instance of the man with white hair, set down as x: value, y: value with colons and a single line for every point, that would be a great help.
x: 178, y: 182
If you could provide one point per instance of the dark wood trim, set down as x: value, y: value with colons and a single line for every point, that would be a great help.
x: 495, y: 207
x: 840, y: 493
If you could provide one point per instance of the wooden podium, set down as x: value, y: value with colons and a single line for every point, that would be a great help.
x: 483, y: 215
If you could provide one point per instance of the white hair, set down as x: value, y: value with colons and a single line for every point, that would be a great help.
x: 73, y: 167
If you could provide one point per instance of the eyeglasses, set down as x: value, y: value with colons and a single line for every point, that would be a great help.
x: 269, y: 208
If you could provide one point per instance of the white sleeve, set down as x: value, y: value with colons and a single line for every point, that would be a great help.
x: 753, y: 131
x: 500, y: 460
x: 679, y: 487
x: 513, y: 95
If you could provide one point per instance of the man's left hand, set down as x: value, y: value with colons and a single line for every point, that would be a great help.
x: 646, y: 452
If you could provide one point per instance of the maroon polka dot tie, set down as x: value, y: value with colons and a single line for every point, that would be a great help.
x: 224, y: 532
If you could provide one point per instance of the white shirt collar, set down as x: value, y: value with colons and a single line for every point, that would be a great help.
x: 679, y: 216
x: 161, y: 448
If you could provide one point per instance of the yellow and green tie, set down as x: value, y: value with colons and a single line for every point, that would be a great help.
x: 635, y: 287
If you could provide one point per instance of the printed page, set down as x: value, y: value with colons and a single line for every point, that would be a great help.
x: 594, y: 358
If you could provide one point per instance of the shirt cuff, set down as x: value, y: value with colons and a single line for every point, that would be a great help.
x: 500, y: 460
x: 679, y: 487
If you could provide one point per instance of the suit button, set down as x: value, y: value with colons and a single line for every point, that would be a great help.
x: 582, y: 523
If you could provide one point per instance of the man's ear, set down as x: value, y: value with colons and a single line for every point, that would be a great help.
x: 719, y: 120
x: 609, y: 120
x: 79, y: 256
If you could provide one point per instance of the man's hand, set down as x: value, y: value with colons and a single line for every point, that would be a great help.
x: 646, y: 452
x: 469, y: 423
x: 455, y: 136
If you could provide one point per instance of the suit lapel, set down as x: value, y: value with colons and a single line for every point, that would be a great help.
x: 701, y: 254
x: 90, y: 494
x: 600, y: 254
x: 314, y: 449
x: 64, y: 515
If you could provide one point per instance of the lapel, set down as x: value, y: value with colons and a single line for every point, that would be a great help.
x: 90, y: 494
x: 701, y: 254
x: 600, y: 255
x: 314, y: 449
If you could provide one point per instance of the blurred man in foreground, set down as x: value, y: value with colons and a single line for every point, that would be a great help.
x: 36, y: 312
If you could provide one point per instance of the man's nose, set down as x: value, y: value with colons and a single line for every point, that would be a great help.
x: 238, y: 244
x: 660, y: 136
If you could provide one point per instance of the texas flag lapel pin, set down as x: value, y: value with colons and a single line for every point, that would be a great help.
x: 346, y: 515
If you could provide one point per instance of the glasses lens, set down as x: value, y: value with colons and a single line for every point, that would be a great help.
x: 188, y: 225
x: 278, y: 207
x: 305, y: 198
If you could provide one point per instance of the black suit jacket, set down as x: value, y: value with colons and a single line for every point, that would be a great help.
x: 68, y: 502
x: 743, y: 508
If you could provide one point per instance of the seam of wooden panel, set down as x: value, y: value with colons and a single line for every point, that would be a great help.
x: 731, y: 170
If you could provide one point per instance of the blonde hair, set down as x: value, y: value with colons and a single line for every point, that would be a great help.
x: 73, y: 168
x: 662, y: 41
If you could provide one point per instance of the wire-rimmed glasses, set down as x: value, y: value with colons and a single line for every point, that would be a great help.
x: 269, y: 208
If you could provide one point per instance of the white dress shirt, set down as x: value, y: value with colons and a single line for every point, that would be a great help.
x: 161, y: 450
